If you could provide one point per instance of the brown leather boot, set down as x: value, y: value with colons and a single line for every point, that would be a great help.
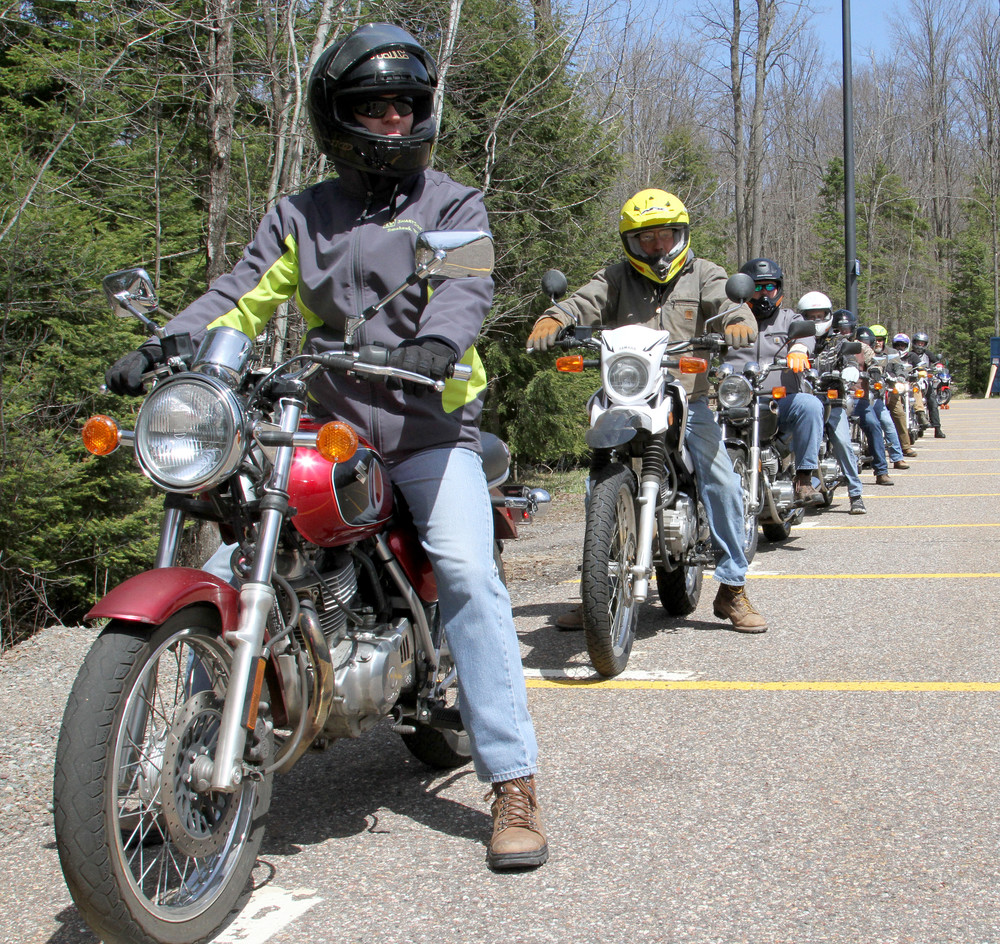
x: 518, y: 840
x: 805, y: 494
x: 731, y: 603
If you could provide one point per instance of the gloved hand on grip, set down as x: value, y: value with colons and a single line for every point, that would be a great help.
x: 739, y: 334
x: 544, y: 334
x: 798, y: 361
x: 124, y: 377
x: 427, y: 356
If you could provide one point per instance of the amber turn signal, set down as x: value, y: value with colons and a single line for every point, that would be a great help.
x: 778, y: 393
x: 831, y: 394
x: 860, y: 393
x: 101, y: 435
x: 570, y: 364
x: 693, y: 365
x: 336, y: 441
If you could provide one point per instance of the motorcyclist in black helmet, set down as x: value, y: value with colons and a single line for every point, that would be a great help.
x: 338, y: 247
x: 920, y: 356
x: 799, y: 412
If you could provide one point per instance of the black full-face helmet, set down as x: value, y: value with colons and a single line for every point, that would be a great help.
x: 845, y: 322
x: 763, y: 272
x: 920, y: 341
x: 376, y: 59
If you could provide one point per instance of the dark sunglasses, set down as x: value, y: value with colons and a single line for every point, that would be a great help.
x: 766, y: 286
x: 377, y: 107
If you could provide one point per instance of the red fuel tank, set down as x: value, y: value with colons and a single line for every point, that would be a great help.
x: 338, y: 502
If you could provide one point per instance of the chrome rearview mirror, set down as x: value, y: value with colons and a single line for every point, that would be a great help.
x: 441, y: 254
x: 456, y: 254
x: 131, y: 294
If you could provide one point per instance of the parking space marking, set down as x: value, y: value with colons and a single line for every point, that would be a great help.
x: 270, y: 910
x: 774, y: 575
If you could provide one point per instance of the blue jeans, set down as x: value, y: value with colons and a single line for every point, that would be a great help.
x: 888, y: 430
x: 840, y: 438
x: 803, y: 414
x: 720, y: 489
x: 865, y: 413
x: 447, y: 495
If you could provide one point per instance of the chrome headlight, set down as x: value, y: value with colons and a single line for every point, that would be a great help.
x: 735, y: 392
x: 628, y: 375
x: 189, y: 434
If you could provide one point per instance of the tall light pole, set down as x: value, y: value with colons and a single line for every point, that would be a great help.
x: 851, y: 264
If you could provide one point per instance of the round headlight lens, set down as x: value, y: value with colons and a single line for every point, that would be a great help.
x: 188, y: 435
x: 628, y: 375
x: 735, y: 392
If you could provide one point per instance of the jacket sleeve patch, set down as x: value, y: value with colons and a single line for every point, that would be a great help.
x: 277, y: 285
x: 458, y: 393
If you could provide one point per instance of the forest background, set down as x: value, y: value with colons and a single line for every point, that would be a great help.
x: 157, y: 133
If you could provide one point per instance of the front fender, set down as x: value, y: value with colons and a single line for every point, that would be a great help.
x: 155, y: 595
x: 613, y: 428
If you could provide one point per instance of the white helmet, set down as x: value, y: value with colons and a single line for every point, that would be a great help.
x: 817, y: 301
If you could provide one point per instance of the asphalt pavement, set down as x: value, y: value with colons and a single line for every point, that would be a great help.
x: 833, y: 779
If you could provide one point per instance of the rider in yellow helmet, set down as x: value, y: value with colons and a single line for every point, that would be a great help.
x: 662, y: 284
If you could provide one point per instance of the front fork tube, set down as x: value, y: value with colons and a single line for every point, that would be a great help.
x: 754, y: 496
x: 239, y: 713
x: 650, y: 481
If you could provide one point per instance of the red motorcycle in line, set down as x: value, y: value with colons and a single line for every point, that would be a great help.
x: 197, y: 692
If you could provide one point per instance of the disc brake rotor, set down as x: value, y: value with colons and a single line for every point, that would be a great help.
x: 198, y: 819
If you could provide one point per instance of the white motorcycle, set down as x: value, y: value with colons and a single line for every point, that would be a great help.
x: 644, y: 517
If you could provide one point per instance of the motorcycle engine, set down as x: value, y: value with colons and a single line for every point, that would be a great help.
x: 372, y: 662
x: 680, y: 525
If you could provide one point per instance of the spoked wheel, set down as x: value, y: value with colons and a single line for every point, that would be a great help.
x: 609, y: 553
x: 149, y: 852
x: 750, y: 531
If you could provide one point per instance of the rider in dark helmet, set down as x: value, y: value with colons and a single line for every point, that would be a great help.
x: 799, y: 411
x: 377, y: 62
x: 764, y: 272
x: 920, y: 356
x: 845, y: 322
x: 338, y: 247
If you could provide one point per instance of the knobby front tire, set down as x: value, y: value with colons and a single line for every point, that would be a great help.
x: 609, y: 553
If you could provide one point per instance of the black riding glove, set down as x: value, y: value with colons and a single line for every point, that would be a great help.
x: 124, y: 377
x: 426, y: 356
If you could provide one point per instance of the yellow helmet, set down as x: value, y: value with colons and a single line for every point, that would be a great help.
x: 652, y: 255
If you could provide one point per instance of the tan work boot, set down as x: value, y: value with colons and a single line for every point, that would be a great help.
x: 518, y: 840
x: 731, y: 603
x: 571, y: 619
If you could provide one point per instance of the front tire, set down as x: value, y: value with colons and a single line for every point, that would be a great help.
x: 609, y: 552
x: 750, y: 529
x: 149, y: 857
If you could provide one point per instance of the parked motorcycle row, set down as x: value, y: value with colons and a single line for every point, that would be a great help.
x: 197, y: 693
x: 199, y: 690
x: 644, y: 516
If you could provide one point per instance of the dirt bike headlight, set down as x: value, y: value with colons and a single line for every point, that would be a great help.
x: 189, y: 434
x: 628, y: 375
x: 735, y: 392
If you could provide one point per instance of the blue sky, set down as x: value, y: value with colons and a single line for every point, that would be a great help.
x: 869, y: 29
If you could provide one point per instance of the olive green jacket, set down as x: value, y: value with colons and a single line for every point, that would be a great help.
x: 619, y: 295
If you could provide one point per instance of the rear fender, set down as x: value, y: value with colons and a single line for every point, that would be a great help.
x: 155, y: 595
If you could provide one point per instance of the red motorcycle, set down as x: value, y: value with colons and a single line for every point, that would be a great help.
x: 200, y: 689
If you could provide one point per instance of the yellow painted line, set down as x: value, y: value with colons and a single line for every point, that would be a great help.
x: 922, y: 497
x: 866, y: 576
x: 891, y: 527
x: 709, y: 685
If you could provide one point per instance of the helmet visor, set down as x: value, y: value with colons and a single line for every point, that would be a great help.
x: 657, y: 243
